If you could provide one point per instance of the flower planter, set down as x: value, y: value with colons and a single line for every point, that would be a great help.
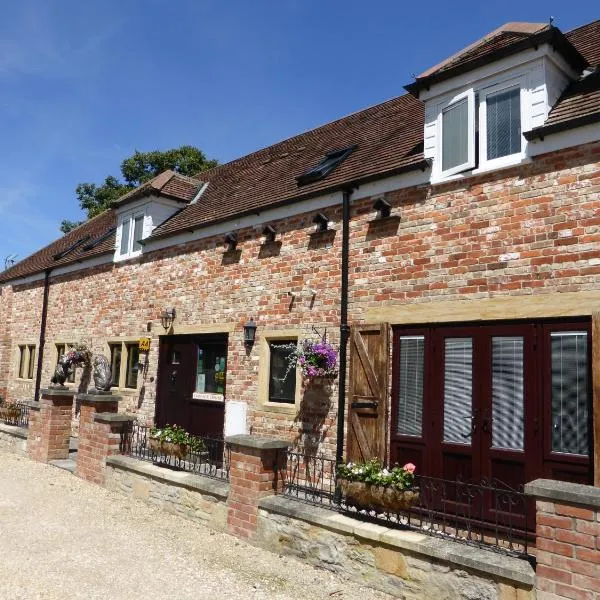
x: 169, y: 448
x: 9, y: 413
x: 378, y: 497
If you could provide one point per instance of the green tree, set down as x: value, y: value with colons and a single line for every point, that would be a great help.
x: 136, y: 170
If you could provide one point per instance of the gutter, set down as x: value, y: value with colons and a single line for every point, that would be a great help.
x: 42, y: 342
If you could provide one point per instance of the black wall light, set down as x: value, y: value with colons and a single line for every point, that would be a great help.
x: 269, y: 233
x: 167, y: 317
x: 383, y: 208
x: 249, y: 333
x: 322, y: 222
x: 231, y: 241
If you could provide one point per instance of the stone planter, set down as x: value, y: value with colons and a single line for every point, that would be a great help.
x: 378, y: 497
x: 169, y: 448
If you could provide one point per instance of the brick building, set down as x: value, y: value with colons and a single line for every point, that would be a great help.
x: 472, y: 261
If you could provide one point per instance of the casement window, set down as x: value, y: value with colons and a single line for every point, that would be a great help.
x: 282, y: 379
x: 26, y: 366
x: 481, y: 129
x: 131, y: 232
x: 62, y: 349
x: 124, y: 364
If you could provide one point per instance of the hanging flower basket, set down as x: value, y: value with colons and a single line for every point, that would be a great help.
x: 370, y: 486
x: 318, y: 361
x: 378, y: 497
x: 173, y: 440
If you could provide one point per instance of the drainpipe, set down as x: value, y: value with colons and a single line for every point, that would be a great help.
x: 38, y: 376
x: 344, y: 328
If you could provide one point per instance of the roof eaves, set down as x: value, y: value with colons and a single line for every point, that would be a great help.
x: 551, y: 35
x: 421, y: 164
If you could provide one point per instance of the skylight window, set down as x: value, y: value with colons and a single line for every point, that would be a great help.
x: 328, y: 164
x: 72, y: 247
x: 97, y: 242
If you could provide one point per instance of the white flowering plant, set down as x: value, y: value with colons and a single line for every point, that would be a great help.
x: 174, y: 434
x: 372, y: 472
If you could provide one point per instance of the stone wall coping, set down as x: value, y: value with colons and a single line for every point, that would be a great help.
x: 33, y: 404
x: 64, y: 391
x: 113, y: 418
x: 257, y: 442
x: 18, y: 432
x: 190, y: 481
x: 562, y: 491
x: 98, y: 398
x: 514, y: 570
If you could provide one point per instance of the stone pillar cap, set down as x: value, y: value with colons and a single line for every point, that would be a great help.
x: 99, y: 397
x: 257, y: 442
x: 113, y: 418
x: 58, y: 391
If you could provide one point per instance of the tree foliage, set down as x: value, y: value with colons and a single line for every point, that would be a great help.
x: 136, y: 170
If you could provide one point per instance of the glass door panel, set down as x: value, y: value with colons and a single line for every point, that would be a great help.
x: 458, y: 390
x: 508, y: 407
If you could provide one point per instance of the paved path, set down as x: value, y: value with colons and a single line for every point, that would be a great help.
x: 63, y: 538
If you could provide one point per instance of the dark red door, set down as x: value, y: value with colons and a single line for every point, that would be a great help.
x: 175, y: 382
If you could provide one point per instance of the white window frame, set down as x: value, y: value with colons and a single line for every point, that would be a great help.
x: 510, y: 159
x: 130, y: 218
x: 470, y: 163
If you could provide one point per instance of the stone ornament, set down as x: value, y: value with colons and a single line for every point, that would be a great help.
x: 102, y: 373
x: 80, y: 355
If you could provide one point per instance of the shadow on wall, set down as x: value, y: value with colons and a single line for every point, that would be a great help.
x: 312, y: 416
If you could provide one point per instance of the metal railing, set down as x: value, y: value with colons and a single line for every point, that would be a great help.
x: 486, y: 514
x: 213, y: 461
x: 14, y: 413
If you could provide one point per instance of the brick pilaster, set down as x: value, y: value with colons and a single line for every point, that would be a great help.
x: 254, y: 470
x: 50, y: 425
x: 567, y: 539
x: 100, y: 430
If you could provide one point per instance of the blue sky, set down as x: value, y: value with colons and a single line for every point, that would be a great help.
x: 84, y: 84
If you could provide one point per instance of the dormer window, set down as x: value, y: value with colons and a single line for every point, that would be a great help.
x: 131, y: 229
x: 502, y: 122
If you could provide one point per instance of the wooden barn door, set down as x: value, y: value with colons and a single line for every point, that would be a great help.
x: 368, y: 392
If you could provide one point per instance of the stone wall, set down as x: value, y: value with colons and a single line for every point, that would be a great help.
x: 13, y: 439
x: 529, y: 230
x: 568, y: 540
x: 190, y: 496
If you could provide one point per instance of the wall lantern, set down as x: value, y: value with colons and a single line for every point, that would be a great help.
x: 383, y: 208
x: 249, y: 332
x: 167, y: 317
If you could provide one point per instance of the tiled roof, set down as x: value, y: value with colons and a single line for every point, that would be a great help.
x: 389, y: 139
x: 169, y: 184
x: 44, y: 259
x: 509, y: 39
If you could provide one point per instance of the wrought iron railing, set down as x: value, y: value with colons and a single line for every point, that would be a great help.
x: 486, y: 514
x: 213, y: 461
x: 14, y: 413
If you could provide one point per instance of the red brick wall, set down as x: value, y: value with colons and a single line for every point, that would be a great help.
x: 531, y: 229
x: 568, y: 551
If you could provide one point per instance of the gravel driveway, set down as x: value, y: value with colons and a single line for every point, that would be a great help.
x: 61, y: 537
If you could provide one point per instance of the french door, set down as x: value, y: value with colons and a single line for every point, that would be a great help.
x: 502, y: 402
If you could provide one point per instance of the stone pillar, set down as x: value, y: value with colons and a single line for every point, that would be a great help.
x: 567, y: 539
x: 50, y: 425
x: 255, y: 470
x: 100, y: 428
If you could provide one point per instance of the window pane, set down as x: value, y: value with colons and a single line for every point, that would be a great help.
x: 138, y: 226
x: 22, y: 356
x: 125, y: 237
x: 282, y: 387
x: 132, y: 365
x: 115, y: 363
x: 507, y: 393
x: 455, y: 135
x: 570, y: 395
x: 458, y: 390
x: 210, y: 368
x: 410, y: 385
x: 503, y: 123
x: 31, y: 362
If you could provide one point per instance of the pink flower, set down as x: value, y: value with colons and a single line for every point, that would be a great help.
x: 409, y: 467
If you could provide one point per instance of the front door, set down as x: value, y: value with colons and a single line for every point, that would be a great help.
x: 498, y: 403
x: 191, y: 383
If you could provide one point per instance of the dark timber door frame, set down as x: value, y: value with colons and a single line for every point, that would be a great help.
x: 368, y: 392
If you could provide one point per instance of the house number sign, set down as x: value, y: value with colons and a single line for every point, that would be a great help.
x: 144, y: 344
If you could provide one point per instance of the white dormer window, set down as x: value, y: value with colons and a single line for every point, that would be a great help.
x: 131, y: 232
x: 458, y: 134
